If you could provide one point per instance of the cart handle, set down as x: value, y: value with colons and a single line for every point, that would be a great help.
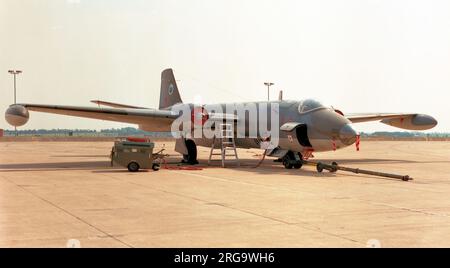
x: 160, y: 151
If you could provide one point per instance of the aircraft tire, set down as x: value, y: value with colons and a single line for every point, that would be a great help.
x: 287, y: 161
x: 286, y: 164
x: 299, y: 163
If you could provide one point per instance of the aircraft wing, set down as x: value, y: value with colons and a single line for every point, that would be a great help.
x: 147, y: 119
x: 359, y: 118
x: 404, y: 121
x: 115, y: 105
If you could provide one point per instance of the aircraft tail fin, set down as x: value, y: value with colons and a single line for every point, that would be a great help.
x: 169, y: 94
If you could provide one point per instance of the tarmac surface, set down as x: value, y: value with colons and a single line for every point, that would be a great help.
x: 51, y: 192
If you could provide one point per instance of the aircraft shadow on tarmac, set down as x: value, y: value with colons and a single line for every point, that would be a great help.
x: 378, y: 161
x: 51, y: 166
x: 81, y: 155
x: 247, y: 165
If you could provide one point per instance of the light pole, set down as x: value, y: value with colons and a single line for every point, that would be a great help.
x: 268, y: 84
x: 15, y: 72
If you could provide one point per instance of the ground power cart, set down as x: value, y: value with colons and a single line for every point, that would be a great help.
x: 136, y: 154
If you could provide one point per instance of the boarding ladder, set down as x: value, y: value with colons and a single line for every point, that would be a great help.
x: 226, y: 136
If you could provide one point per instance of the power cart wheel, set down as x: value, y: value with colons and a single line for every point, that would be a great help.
x: 133, y: 167
x: 155, y: 167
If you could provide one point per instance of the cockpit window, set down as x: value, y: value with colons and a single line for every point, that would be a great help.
x: 309, y: 105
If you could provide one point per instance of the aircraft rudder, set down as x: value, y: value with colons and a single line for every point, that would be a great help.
x: 169, y: 94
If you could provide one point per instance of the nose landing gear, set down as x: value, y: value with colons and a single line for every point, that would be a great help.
x: 292, y: 160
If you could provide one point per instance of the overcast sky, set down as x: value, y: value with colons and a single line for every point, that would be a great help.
x: 359, y: 56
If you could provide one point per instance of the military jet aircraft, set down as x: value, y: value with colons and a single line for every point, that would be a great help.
x: 304, y: 126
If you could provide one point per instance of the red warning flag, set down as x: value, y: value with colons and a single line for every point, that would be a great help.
x: 358, y: 139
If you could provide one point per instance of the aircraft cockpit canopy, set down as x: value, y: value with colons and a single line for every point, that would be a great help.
x: 309, y: 105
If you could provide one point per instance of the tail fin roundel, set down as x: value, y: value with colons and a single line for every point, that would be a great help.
x: 169, y: 94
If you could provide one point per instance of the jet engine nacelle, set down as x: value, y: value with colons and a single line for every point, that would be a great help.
x: 294, y: 136
x: 17, y: 115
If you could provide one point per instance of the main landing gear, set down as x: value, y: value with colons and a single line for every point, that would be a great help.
x: 191, y: 157
x: 292, y: 160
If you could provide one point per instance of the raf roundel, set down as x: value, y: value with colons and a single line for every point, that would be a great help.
x: 170, y: 90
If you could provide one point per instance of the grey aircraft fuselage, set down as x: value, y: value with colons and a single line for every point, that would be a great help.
x: 315, y: 127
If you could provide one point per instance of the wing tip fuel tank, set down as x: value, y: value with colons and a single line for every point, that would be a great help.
x: 412, y: 122
x: 17, y: 115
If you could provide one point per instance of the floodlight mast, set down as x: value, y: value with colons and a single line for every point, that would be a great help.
x: 268, y: 84
x: 15, y: 72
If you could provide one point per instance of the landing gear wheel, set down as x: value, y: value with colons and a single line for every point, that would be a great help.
x: 155, y: 167
x: 287, y: 164
x: 290, y: 161
x: 133, y: 167
x: 299, y: 163
x: 191, y: 157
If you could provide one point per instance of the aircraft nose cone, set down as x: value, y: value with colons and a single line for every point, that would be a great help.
x: 347, y: 135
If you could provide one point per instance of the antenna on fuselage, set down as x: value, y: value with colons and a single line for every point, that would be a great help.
x: 280, y: 95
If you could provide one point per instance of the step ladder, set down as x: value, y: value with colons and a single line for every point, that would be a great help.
x: 226, y: 136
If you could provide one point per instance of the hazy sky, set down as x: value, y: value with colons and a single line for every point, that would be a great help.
x: 359, y: 56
